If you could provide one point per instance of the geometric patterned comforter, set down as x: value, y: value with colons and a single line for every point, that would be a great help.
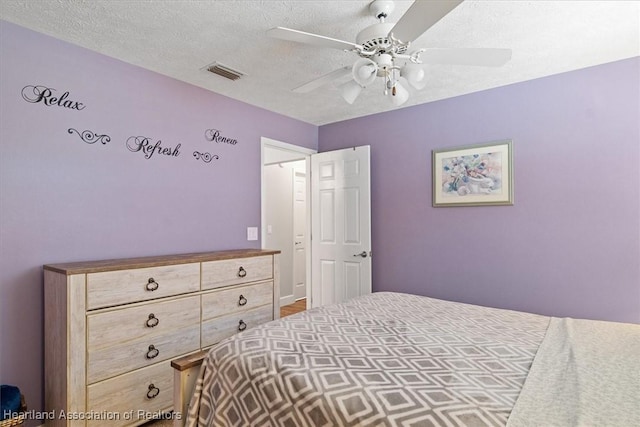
x: 384, y: 359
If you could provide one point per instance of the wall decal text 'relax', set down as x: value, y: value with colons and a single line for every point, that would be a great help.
x: 46, y: 95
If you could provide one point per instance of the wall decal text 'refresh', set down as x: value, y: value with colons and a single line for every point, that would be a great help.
x: 146, y: 146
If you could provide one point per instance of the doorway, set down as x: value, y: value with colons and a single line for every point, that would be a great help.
x: 286, y: 215
x: 337, y: 186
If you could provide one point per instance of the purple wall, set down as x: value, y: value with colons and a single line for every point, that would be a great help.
x: 65, y: 200
x: 570, y: 246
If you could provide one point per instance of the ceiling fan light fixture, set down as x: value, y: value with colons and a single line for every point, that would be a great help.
x: 399, y: 94
x: 414, y: 74
x: 350, y: 91
x: 364, y: 71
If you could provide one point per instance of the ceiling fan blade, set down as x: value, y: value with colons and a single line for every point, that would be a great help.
x: 311, y: 39
x: 421, y: 16
x: 485, y: 57
x: 321, y: 81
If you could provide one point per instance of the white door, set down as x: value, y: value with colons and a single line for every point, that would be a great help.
x: 299, y: 234
x: 341, y: 225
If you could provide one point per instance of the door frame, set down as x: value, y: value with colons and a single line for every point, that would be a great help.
x: 281, y: 152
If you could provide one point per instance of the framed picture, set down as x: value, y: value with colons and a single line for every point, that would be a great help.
x: 473, y: 175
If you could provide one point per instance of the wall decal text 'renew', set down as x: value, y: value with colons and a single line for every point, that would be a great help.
x: 146, y: 146
x: 90, y: 137
x: 214, y: 135
x: 46, y: 95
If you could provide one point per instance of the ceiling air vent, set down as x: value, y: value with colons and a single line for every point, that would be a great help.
x: 224, y: 71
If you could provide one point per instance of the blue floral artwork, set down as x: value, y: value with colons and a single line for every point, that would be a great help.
x: 477, y: 174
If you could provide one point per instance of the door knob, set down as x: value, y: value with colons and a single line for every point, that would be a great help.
x: 362, y: 254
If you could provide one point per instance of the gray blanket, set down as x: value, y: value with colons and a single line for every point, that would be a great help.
x: 384, y: 359
x: 586, y: 373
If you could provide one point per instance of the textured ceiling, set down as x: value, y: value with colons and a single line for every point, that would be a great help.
x: 180, y: 38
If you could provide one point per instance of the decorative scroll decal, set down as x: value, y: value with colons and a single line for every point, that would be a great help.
x: 144, y: 144
x: 214, y: 135
x: 206, y: 157
x: 35, y: 94
x: 90, y: 137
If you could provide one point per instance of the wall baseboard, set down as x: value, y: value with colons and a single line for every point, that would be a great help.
x: 286, y: 300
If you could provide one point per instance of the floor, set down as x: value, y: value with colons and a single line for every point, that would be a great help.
x: 296, y: 307
x: 287, y: 310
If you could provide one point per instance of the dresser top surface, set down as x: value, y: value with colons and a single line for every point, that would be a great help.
x: 85, y: 267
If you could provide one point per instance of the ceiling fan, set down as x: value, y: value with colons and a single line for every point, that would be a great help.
x: 384, y: 53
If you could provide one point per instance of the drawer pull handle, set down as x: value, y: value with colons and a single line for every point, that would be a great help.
x: 152, y: 285
x: 242, y: 300
x: 242, y: 326
x: 152, y: 321
x: 242, y: 272
x: 153, y: 391
x: 153, y: 352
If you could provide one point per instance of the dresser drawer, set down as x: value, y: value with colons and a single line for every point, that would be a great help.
x: 109, y: 362
x: 145, y: 392
x: 236, y: 299
x: 216, y: 274
x: 217, y: 329
x: 142, y: 322
x: 111, y: 288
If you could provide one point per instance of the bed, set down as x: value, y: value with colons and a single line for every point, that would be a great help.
x: 392, y: 359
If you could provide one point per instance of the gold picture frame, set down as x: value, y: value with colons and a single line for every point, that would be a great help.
x: 473, y: 175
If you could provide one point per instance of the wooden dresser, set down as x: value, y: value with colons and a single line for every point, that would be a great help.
x: 112, y: 327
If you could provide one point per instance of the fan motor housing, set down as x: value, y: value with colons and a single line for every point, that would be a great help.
x: 375, y: 37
